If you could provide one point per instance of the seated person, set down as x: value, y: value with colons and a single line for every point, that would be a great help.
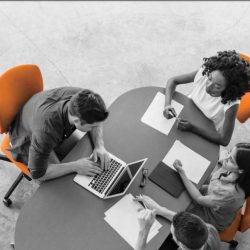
x: 229, y: 186
x: 188, y: 230
x: 47, y: 120
x: 219, y: 85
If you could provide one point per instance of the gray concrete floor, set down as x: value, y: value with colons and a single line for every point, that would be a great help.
x: 112, y: 47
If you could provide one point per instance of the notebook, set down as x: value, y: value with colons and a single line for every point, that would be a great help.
x: 154, y: 117
x: 168, y: 179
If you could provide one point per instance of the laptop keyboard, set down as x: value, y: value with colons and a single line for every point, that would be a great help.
x: 101, y: 181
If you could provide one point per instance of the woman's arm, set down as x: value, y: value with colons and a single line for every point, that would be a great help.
x: 174, y: 81
x: 171, y: 85
x: 195, y: 194
x: 192, y: 189
x: 223, y: 136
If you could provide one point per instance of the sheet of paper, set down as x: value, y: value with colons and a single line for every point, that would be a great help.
x: 153, y: 117
x: 122, y: 217
x: 194, y: 164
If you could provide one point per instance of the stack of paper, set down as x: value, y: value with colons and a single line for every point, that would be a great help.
x: 123, y: 218
x: 154, y: 117
x: 194, y: 164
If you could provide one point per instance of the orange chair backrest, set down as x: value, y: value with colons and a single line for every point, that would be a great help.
x: 17, y: 86
x: 4, y: 148
x: 244, y: 109
x: 245, y: 222
x: 229, y: 233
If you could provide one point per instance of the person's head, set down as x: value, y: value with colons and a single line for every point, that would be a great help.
x: 238, y: 161
x: 87, y: 110
x: 189, y: 231
x: 227, y: 76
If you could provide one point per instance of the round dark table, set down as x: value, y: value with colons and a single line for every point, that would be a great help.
x: 64, y: 216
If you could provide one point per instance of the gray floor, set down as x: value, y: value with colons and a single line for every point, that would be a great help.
x: 112, y: 47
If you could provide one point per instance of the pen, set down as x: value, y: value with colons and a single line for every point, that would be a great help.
x: 173, y: 114
x: 143, y: 204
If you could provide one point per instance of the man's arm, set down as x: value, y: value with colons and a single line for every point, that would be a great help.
x: 142, y: 239
x: 99, y: 150
x: 44, y: 167
x: 143, y: 233
x: 166, y: 213
x: 153, y: 205
x: 97, y: 136
x: 146, y: 219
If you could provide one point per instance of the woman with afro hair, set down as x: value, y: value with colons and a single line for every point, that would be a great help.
x: 219, y: 85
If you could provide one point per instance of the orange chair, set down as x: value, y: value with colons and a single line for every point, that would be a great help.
x: 244, y: 109
x: 228, y: 235
x: 17, y: 86
x: 241, y: 222
x: 245, y: 220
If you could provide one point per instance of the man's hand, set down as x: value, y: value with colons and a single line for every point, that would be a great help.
x: 184, y: 125
x: 102, y: 154
x: 178, y: 166
x: 146, y: 219
x: 169, y: 112
x: 87, y: 167
x: 149, y: 203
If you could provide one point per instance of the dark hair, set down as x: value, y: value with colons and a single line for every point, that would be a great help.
x: 235, y: 71
x: 88, y: 106
x: 190, y: 230
x: 243, y: 161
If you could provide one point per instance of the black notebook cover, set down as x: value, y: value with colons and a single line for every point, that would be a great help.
x: 168, y: 179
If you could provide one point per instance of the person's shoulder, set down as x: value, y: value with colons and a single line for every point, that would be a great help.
x: 48, y: 120
x: 213, y: 240
x: 231, y: 104
x: 211, y: 228
x: 62, y: 91
x: 199, y: 75
x: 70, y: 90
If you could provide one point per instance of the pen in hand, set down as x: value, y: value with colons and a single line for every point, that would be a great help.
x: 173, y: 114
x: 143, y: 204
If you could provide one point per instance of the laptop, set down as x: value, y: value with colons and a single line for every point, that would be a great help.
x: 113, y: 182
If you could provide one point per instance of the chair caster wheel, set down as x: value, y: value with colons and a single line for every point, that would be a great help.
x: 233, y: 244
x: 7, y: 202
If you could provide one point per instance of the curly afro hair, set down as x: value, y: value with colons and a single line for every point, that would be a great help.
x: 234, y: 69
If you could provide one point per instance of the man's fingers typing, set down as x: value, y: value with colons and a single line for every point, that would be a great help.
x: 95, y: 158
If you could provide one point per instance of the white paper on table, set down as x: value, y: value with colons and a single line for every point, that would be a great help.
x: 193, y: 163
x: 123, y: 218
x: 154, y: 117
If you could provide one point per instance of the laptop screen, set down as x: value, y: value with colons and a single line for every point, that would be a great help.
x: 134, y: 167
x: 125, y: 179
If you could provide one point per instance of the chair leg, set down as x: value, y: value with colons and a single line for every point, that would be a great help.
x: 4, y: 158
x: 233, y: 244
x: 6, y: 200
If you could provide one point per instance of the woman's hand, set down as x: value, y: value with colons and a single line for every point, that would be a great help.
x: 184, y: 125
x: 178, y: 167
x: 169, y: 112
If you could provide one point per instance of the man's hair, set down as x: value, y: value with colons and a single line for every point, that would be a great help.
x: 190, y: 230
x: 88, y: 106
x: 234, y: 69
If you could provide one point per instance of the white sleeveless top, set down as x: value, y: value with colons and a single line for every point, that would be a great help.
x: 211, y: 106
